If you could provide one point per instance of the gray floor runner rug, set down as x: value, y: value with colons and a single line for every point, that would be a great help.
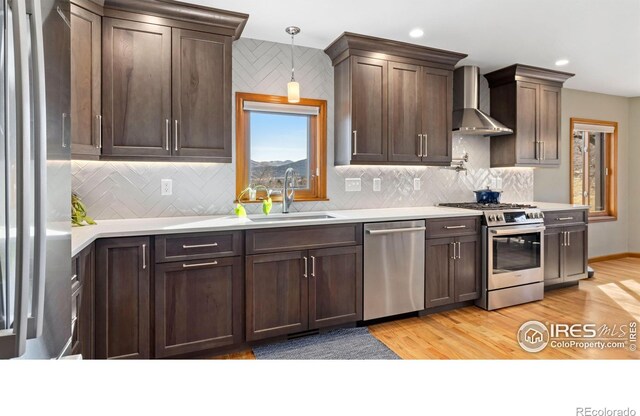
x: 339, y: 344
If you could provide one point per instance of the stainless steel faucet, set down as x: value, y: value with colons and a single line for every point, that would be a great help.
x: 287, y: 191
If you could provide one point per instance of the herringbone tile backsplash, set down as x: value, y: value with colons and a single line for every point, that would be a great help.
x: 132, y: 189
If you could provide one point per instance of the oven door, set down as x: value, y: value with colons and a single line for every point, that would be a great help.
x: 515, y: 255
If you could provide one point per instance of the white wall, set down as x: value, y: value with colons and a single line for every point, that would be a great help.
x: 634, y: 175
x: 552, y: 184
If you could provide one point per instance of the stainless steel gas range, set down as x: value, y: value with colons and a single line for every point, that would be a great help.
x: 512, y: 253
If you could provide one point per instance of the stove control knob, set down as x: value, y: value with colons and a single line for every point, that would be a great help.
x: 542, y: 215
x: 536, y: 215
x: 529, y: 215
x: 501, y: 217
x: 492, y: 217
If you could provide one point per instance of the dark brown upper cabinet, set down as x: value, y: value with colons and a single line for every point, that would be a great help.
x: 393, y: 101
x: 166, y: 81
x: 527, y: 100
x: 136, y: 89
x: 86, y: 73
x: 201, y: 94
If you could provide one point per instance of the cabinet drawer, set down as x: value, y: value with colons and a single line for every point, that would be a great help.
x: 301, y: 238
x: 565, y: 217
x: 449, y: 227
x: 198, y: 246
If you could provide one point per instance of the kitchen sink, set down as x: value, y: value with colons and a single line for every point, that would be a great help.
x: 285, y: 217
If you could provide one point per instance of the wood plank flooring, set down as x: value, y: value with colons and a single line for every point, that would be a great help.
x: 611, y: 297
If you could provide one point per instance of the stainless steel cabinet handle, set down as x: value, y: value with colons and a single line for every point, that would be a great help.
x: 454, y: 227
x: 99, y: 117
x: 74, y: 277
x: 568, y: 238
x: 313, y: 266
x: 565, y: 218
x: 355, y: 142
x: 459, y: 250
x: 425, y: 136
x: 211, y: 263
x: 396, y: 230
x: 537, y: 150
x: 144, y: 256
x: 200, y: 245
x: 166, y: 134
x: 420, y: 140
x: 64, y: 128
x: 542, y: 152
x: 454, y: 250
x: 306, y: 266
x: 175, y: 133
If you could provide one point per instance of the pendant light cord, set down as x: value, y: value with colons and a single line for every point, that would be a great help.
x: 292, y: 66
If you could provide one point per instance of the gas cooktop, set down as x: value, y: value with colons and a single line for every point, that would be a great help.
x: 486, y: 207
x: 503, y: 214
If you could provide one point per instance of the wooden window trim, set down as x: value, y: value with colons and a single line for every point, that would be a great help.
x: 318, y: 153
x: 611, y: 211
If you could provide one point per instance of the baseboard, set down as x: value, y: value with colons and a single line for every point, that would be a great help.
x: 613, y: 257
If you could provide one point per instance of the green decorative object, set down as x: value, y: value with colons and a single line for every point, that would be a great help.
x: 79, y: 217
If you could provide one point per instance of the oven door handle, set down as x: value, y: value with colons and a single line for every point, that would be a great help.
x: 517, y: 230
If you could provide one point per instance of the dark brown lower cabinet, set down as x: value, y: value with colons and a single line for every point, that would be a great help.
x: 335, y: 286
x: 452, y: 270
x: 439, y: 272
x: 553, y: 250
x: 277, y: 294
x: 300, y: 290
x: 198, y: 305
x: 468, y: 268
x: 565, y: 254
x: 82, y: 292
x: 122, y: 306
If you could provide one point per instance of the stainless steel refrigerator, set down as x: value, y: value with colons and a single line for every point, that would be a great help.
x: 35, y: 186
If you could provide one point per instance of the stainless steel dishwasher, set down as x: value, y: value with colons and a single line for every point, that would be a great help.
x: 393, y: 268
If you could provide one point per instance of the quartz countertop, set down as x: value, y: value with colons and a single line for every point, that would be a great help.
x: 82, y: 237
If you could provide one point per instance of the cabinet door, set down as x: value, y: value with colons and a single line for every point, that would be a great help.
x: 549, y: 125
x: 553, y: 250
x: 439, y: 272
x: 85, y: 271
x: 122, y: 298
x: 198, y: 305
x: 436, y: 104
x: 201, y: 85
x: 527, y: 122
x: 575, y: 253
x: 136, y: 91
x: 405, y: 123
x: 86, y: 98
x: 468, y: 268
x: 335, y: 286
x: 277, y: 294
x: 369, y: 110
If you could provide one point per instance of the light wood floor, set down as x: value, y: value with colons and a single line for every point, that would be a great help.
x: 611, y: 297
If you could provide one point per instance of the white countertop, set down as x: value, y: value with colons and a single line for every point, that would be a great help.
x: 82, y: 237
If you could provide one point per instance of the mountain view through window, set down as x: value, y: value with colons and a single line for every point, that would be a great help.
x: 278, y: 142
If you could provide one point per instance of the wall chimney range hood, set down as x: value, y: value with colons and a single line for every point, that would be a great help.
x: 467, y: 118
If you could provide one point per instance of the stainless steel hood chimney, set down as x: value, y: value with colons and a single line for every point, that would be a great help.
x: 467, y: 118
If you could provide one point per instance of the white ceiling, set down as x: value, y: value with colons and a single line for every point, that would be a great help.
x: 601, y: 38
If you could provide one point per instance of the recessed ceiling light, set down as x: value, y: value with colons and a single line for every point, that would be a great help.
x: 562, y: 62
x: 416, y: 33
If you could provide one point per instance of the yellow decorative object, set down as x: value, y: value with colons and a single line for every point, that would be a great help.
x: 267, y: 203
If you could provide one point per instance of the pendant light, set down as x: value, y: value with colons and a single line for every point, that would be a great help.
x: 293, y: 88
